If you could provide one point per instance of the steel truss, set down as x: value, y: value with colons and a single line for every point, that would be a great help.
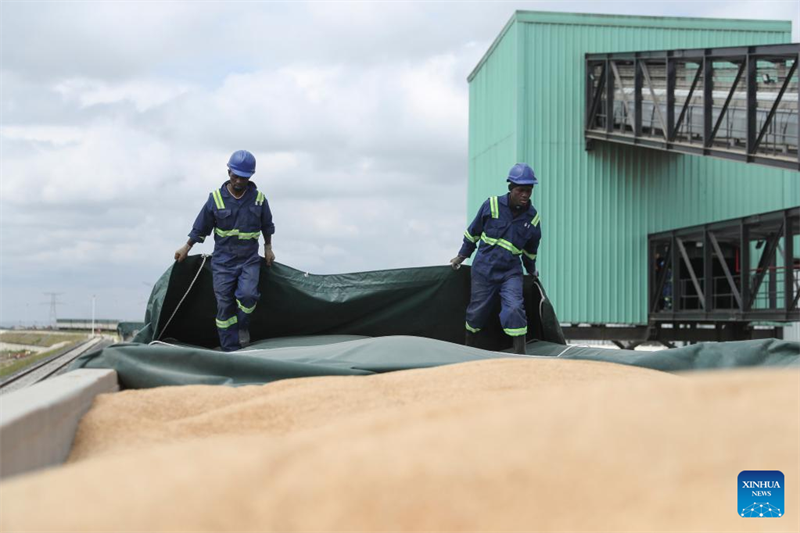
x: 704, y: 273
x: 737, y: 103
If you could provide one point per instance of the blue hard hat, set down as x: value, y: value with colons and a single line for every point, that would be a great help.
x: 522, y: 174
x: 242, y: 163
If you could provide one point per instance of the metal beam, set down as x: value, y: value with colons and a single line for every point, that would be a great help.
x: 774, y: 107
x: 676, y: 268
x: 656, y: 103
x: 744, y: 264
x: 596, y: 100
x: 708, y: 99
x: 687, y: 102
x: 764, y: 50
x: 710, y: 141
x: 671, y: 82
x: 726, y: 331
x: 661, y: 281
x: 771, y: 161
x: 708, y: 277
x: 622, y: 91
x: 752, y: 105
x: 767, y: 256
x: 609, y: 98
x: 788, y: 261
x: 725, y: 269
x: 692, y: 275
x: 637, y: 98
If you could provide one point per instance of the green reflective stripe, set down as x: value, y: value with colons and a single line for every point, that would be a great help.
x: 226, y: 323
x: 516, y: 332
x: 218, y: 199
x: 493, y: 207
x: 502, y: 243
x: 245, y: 310
x: 528, y: 255
x: 470, y: 328
x: 236, y: 233
x: 470, y: 238
x: 259, y: 198
x: 535, y: 220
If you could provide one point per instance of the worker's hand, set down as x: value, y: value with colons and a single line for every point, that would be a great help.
x: 269, y: 255
x: 456, y: 261
x: 182, y: 252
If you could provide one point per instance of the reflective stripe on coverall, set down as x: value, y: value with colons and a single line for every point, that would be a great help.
x: 235, y: 265
x: 496, y: 270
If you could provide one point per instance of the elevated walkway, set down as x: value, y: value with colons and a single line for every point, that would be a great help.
x: 737, y: 103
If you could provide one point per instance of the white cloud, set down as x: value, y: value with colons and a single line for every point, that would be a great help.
x: 55, y: 135
x: 118, y: 119
x: 144, y: 94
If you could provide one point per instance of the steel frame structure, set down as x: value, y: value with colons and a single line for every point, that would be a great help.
x: 683, y: 90
x: 702, y: 273
x: 629, y: 337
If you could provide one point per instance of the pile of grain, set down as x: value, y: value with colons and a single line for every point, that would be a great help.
x: 533, y: 445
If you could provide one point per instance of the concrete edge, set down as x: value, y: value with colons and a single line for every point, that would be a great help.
x: 38, y: 423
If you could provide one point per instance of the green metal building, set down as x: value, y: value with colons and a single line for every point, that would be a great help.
x: 526, y: 104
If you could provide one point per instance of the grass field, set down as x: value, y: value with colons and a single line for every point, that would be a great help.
x: 9, y: 364
x: 33, y: 338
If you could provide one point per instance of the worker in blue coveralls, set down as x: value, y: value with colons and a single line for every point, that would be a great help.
x: 508, y: 228
x: 238, y: 213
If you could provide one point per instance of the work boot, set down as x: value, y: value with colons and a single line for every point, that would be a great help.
x: 244, y: 337
x: 519, y: 345
x: 469, y: 339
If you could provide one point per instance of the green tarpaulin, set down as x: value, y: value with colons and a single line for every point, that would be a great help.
x: 424, y: 302
x: 360, y: 324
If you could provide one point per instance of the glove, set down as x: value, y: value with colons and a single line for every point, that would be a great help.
x: 182, y: 252
x: 456, y: 261
x: 269, y: 255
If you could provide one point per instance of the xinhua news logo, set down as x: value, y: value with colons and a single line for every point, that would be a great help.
x: 761, y: 494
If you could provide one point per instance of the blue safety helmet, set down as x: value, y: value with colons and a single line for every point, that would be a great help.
x: 522, y: 174
x: 242, y: 163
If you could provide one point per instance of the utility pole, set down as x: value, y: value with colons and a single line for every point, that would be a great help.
x: 53, y: 303
x: 93, y: 298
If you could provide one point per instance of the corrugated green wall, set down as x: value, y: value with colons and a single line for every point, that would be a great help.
x: 598, y: 207
x: 493, y: 115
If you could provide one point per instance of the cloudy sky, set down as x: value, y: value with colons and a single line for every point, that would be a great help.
x: 118, y: 119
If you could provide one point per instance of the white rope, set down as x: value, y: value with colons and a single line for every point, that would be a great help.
x: 184, y: 297
x: 541, y: 302
x: 162, y: 343
x: 565, y: 351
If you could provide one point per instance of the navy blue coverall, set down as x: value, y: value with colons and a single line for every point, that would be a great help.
x: 496, y: 269
x: 235, y: 264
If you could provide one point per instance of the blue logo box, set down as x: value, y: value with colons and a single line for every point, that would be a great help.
x: 761, y: 494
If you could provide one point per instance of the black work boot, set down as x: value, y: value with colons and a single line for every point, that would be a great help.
x: 244, y: 337
x: 519, y: 345
x: 469, y: 339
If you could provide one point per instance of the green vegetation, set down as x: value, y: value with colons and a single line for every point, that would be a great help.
x: 33, y: 338
x: 11, y: 362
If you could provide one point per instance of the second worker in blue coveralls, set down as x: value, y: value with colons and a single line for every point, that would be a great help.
x: 507, y: 228
x: 238, y: 213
